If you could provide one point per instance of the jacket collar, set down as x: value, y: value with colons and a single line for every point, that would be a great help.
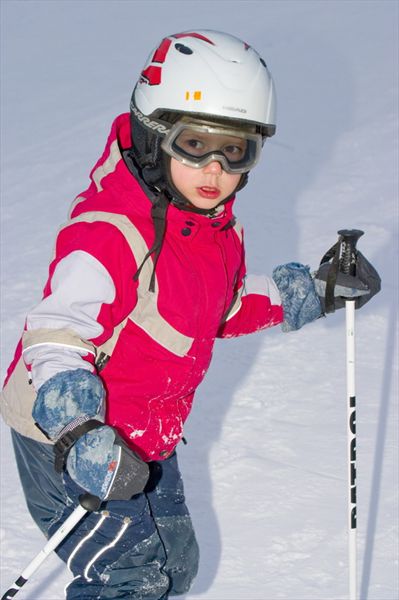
x: 111, y: 173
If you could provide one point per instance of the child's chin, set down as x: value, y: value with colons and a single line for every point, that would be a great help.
x: 205, y: 203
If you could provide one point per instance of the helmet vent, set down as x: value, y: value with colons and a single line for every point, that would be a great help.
x: 183, y: 49
x: 263, y: 62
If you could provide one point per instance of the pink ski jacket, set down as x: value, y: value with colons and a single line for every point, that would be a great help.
x: 151, y: 349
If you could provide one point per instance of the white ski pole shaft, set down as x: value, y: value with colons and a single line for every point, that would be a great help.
x: 351, y: 442
x: 87, y: 503
x: 349, y: 238
x: 52, y: 543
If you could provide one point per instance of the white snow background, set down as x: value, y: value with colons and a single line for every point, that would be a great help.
x: 265, y: 465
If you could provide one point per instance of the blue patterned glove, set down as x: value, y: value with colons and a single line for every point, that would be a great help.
x: 102, y: 464
x: 69, y: 409
x: 301, y: 303
x: 68, y: 399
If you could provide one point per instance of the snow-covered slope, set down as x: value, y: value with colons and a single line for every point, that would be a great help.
x: 265, y: 466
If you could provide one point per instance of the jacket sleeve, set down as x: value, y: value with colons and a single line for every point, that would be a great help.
x: 85, y: 297
x: 256, y: 303
x: 257, y: 306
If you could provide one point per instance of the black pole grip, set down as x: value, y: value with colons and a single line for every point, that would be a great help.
x: 349, y: 238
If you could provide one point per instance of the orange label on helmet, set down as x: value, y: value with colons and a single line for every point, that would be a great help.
x: 197, y: 95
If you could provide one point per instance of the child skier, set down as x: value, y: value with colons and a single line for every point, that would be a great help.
x: 146, y: 273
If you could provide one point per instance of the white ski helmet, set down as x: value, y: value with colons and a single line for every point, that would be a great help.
x: 205, y: 75
x: 208, y: 73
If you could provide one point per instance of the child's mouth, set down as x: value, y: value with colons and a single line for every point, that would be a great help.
x: 210, y: 193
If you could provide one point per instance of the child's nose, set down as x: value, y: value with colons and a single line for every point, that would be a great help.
x: 213, y: 168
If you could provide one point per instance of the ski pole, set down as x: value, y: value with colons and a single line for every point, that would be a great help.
x: 87, y: 503
x: 348, y: 266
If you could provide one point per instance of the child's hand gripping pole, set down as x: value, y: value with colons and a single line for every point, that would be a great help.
x: 347, y: 265
x: 87, y: 503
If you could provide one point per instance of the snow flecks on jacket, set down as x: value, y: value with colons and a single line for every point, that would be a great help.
x: 136, y: 433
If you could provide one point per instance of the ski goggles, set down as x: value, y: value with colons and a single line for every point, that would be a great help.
x: 197, y: 143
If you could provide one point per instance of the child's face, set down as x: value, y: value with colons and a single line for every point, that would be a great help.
x: 205, y: 187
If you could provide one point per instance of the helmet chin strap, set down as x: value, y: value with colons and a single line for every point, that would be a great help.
x: 182, y: 203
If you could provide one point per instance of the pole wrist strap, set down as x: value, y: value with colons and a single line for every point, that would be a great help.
x: 333, y: 255
x: 64, y: 444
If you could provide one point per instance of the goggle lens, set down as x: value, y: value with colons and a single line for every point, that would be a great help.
x: 199, y: 144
